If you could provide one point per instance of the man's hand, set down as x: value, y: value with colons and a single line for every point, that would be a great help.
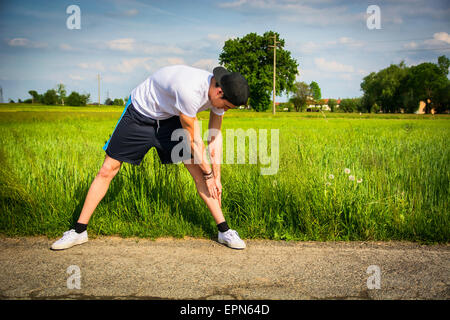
x: 212, y: 188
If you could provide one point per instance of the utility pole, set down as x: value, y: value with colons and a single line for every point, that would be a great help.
x: 98, y: 77
x: 275, y: 42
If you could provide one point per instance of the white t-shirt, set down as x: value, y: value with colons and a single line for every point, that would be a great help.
x: 173, y: 90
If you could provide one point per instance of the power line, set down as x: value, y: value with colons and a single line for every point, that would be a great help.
x: 98, y: 77
x: 424, y: 49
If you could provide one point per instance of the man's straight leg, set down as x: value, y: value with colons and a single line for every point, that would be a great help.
x: 99, y: 187
x: 97, y: 191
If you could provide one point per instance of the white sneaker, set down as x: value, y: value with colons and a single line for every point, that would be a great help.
x: 70, y: 238
x: 231, y: 239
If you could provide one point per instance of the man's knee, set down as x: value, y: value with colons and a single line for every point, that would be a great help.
x: 109, y: 168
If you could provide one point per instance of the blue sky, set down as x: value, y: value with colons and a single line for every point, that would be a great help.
x: 125, y: 41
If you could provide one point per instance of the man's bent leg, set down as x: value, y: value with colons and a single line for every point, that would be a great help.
x: 213, y: 204
x: 99, y: 187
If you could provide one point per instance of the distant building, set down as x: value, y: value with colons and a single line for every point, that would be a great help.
x: 421, y: 109
x: 320, y: 105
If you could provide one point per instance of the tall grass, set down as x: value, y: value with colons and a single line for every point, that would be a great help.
x: 49, y: 158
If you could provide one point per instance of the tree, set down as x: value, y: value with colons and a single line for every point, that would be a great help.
x: 315, y: 91
x: 50, y: 97
x: 332, y: 103
x: 85, y: 98
x: 118, y: 102
x: 444, y: 64
x: 36, y: 97
x: 426, y: 80
x: 108, y: 102
x: 384, y: 88
x: 400, y: 87
x: 350, y: 105
x: 61, y: 90
x: 76, y: 99
x: 253, y: 58
x: 300, y: 94
x: 443, y: 99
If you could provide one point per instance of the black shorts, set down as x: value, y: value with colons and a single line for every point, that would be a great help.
x: 135, y: 134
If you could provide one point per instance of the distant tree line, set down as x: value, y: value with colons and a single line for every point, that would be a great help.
x: 400, y: 87
x: 115, y: 102
x: 58, y: 96
x: 397, y: 88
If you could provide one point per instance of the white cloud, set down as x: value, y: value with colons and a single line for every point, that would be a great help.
x: 175, y: 60
x: 206, y: 64
x: 410, y: 45
x: 297, y: 11
x: 112, y: 79
x: 66, y: 47
x: 442, y: 36
x: 76, y: 77
x: 439, y: 42
x: 332, y: 66
x: 213, y: 36
x: 159, y: 49
x: 342, y: 42
x: 345, y: 76
x: 128, y: 65
x: 132, y: 45
x: 26, y: 43
x: 126, y: 44
x: 233, y: 4
x: 131, y: 12
x: 96, y: 66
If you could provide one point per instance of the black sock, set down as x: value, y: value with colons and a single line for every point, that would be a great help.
x: 79, y: 227
x: 223, y: 226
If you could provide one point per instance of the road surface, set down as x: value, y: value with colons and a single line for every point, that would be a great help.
x: 117, y: 268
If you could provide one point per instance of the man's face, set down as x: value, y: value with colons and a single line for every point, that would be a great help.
x: 216, y: 97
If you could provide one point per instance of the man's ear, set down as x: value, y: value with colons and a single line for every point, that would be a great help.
x: 219, y: 92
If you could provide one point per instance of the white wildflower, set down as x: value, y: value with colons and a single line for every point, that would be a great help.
x: 347, y: 170
x: 331, y: 176
x: 351, y: 178
x: 359, y: 180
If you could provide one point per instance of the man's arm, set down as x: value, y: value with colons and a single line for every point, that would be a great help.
x: 215, y: 142
x: 190, y: 124
x: 215, y: 149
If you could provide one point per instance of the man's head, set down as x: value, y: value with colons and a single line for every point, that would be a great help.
x: 228, y: 89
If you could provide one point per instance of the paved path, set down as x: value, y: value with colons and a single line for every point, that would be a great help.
x: 116, y: 268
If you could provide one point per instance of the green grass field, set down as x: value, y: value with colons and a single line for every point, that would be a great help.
x: 50, y: 155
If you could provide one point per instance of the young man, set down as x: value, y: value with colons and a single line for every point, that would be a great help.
x: 169, y: 100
